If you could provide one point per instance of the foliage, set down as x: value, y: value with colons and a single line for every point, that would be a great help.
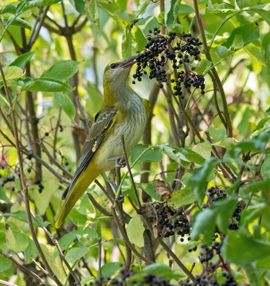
x: 194, y: 209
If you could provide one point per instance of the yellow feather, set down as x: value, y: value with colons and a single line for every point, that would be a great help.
x: 124, y: 115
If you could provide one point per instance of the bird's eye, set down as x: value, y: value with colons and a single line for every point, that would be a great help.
x: 113, y: 66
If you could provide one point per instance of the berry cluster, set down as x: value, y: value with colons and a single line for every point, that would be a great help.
x: 169, y: 221
x: 236, y: 215
x: 176, y: 52
x: 207, y: 252
x: 40, y: 186
x: 215, y: 194
x: 212, y: 263
x: 8, y: 180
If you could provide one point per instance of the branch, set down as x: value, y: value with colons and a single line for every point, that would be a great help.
x: 213, y: 70
x: 23, y: 184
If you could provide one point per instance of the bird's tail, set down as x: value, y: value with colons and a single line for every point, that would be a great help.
x: 75, y: 192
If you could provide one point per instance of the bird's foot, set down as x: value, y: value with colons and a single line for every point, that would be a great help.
x: 120, y: 163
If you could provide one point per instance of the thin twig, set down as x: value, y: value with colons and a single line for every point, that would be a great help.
x: 23, y: 185
x: 177, y: 260
x: 130, y: 172
x: 213, y: 70
x: 62, y: 256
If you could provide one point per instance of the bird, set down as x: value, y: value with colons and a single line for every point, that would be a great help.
x: 122, y: 118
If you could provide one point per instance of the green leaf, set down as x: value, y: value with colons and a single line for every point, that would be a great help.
x: 142, y: 153
x: 140, y: 39
x: 242, y: 248
x: 203, y: 66
x: 92, y: 11
x: 263, y: 185
x: 67, y: 239
x: 22, y: 60
x: 204, y: 225
x: 181, y: 198
x: 149, y: 189
x: 242, y: 36
x: 162, y: 270
x: 79, y: 6
x: 12, y: 72
x: 62, y: 100
x: 135, y: 230
x: 224, y: 210
x: 20, y: 215
x: 182, y: 154
x: 30, y: 252
x: 126, y: 44
x: 265, y: 168
x: 110, y: 268
x: 17, y: 22
x: 62, y: 70
x: 46, y: 85
x: 182, y: 9
x: 54, y: 261
x: 202, y: 150
x: 2, y: 239
x: 75, y: 254
x: 222, y: 52
x: 16, y: 240
x: 94, y: 101
x: 199, y: 180
x: 5, y: 264
x: 264, y: 14
x: 217, y: 134
x: 170, y: 16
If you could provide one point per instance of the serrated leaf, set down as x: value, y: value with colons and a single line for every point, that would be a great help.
x: 62, y: 70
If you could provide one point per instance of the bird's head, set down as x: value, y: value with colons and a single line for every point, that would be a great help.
x: 116, y: 76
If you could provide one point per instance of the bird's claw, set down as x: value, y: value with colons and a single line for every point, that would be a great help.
x: 120, y: 163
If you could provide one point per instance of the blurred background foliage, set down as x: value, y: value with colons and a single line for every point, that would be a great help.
x: 52, y: 56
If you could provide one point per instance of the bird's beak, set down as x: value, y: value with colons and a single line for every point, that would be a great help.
x: 128, y: 63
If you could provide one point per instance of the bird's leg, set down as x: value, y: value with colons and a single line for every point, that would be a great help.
x: 120, y: 162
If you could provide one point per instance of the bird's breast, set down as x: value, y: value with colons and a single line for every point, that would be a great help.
x: 130, y: 125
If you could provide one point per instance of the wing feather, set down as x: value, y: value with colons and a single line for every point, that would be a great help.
x: 103, y: 122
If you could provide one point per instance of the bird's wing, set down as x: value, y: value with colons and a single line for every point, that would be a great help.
x: 103, y: 121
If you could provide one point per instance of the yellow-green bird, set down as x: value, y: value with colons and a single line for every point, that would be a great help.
x: 123, y: 115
